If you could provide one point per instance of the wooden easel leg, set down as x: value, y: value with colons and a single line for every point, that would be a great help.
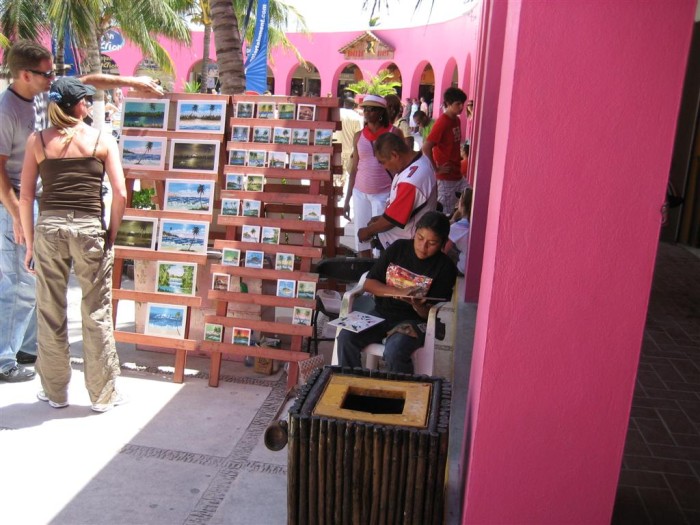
x: 214, y: 369
x: 292, y: 375
x: 180, y: 363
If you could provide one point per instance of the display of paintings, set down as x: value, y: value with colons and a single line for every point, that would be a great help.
x: 321, y: 161
x: 298, y: 161
x: 301, y: 315
x: 270, y: 235
x: 213, y: 332
x: 240, y: 134
x: 306, y: 289
x: 285, y: 111
x: 145, y: 113
x: 311, y: 211
x: 143, y: 153
x: 277, y: 159
x: 137, y: 233
x: 254, y: 182
x: 176, y: 278
x: 230, y: 207
x: 286, y: 288
x: 220, y: 281
x: 194, y: 155
x: 250, y: 233
x: 244, y: 109
x: 306, y: 112
x: 183, y: 236
x: 236, y: 157
x: 196, y: 196
x: 254, y: 259
x: 256, y: 158
x: 251, y: 208
x: 234, y: 181
x: 241, y: 336
x: 323, y: 137
x: 300, y: 137
x: 201, y: 116
x: 165, y: 320
x: 231, y: 257
x: 281, y: 135
x: 284, y: 262
x: 266, y: 110
x: 261, y: 134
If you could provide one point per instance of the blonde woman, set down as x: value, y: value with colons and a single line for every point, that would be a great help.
x: 71, y: 158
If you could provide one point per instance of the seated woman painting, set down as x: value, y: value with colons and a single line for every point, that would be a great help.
x: 410, y: 276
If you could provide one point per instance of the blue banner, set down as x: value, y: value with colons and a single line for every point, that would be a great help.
x: 256, y: 61
x: 71, y: 56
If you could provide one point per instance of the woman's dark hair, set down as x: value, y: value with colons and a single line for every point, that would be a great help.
x: 437, y: 222
x: 384, y: 120
x: 393, y: 106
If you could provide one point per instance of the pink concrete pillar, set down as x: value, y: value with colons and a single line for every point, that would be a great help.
x: 588, y: 100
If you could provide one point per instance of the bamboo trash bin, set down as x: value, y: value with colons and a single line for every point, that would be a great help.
x: 367, y: 447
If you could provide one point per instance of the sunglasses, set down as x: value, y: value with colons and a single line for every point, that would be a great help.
x: 45, y: 74
x: 371, y: 109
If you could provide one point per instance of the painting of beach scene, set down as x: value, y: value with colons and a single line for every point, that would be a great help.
x: 143, y: 153
x: 266, y: 110
x: 300, y: 136
x: 241, y: 336
x: 284, y: 262
x: 244, y: 109
x: 270, y: 235
x: 213, y: 332
x: 276, y: 159
x: 230, y: 207
x: 306, y: 289
x: 137, y: 233
x: 256, y: 158
x: 301, y: 315
x: 194, y: 155
x: 236, y: 157
x: 166, y: 320
x: 231, y: 257
x: 183, y: 236
x: 311, y: 211
x: 261, y: 134
x: 321, y: 161
x: 220, y: 281
x: 176, y: 278
x: 196, y: 196
x: 251, y: 208
x: 281, y: 135
x: 285, y: 111
x: 323, y: 137
x: 240, y: 134
x: 298, y: 161
x: 254, y: 182
x: 250, y: 233
x: 200, y: 116
x: 254, y: 259
x: 286, y: 288
x: 234, y: 181
x: 306, y: 112
x: 145, y: 113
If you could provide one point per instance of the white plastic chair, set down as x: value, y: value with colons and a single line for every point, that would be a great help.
x: 423, y: 357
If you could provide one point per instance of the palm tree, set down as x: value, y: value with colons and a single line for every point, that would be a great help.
x: 200, y: 192
x: 195, y: 234
x: 195, y: 109
x: 212, y: 107
x: 147, y: 149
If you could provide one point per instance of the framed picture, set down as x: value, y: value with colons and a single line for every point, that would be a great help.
x: 270, y: 235
x: 240, y: 134
x: 231, y: 257
x: 200, y: 116
x: 262, y: 134
x: 196, y: 196
x: 286, y: 288
x: 220, y: 281
x: 143, y: 153
x: 301, y: 315
x: 236, y: 157
x: 244, y: 109
x: 137, y: 233
x: 300, y: 137
x: 285, y: 111
x: 276, y: 159
x: 321, y: 161
x: 306, y: 289
x: 241, y: 336
x: 145, y: 113
x: 230, y: 207
x: 281, y: 135
x: 256, y: 158
x: 234, y: 181
x: 251, y: 208
x: 213, y: 332
x: 254, y: 182
x: 323, y: 137
x: 311, y: 211
x: 266, y: 110
x: 250, y: 233
x: 183, y: 236
x: 194, y: 155
x: 284, y: 262
x: 254, y: 259
x: 176, y: 278
x: 298, y: 161
x: 306, y: 112
x: 166, y: 320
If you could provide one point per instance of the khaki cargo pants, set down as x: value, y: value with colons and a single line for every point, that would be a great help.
x: 62, y: 238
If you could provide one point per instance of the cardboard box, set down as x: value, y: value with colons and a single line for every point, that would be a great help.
x: 263, y: 365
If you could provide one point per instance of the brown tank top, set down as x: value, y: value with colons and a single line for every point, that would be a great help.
x: 72, y: 183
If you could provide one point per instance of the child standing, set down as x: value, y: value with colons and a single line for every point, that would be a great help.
x: 456, y: 246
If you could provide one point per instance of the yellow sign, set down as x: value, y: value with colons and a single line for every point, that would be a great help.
x: 367, y: 47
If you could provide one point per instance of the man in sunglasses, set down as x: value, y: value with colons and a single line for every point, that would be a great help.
x: 21, y: 113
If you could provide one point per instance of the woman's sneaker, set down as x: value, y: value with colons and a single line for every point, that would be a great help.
x: 41, y: 396
x: 105, y: 407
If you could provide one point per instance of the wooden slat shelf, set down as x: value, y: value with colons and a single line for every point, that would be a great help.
x: 286, y: 148
x: 286, y: 225
x: 279, y: 173
x: 154, y: 255
x: 134, y: 132
x: 154, y: 340
x: 157, y: 297
x: 162, y: 214
x: 268, y: 327
x: 165, y: 174
x: 254, y: 351
x: 300, y: 251
x: 260, y: 299
x: 256, y: 273
x: 276, y: 197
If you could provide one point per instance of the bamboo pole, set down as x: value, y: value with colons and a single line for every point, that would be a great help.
x: 339, y: 474
x: 313, y: 472
x: 357, y: 474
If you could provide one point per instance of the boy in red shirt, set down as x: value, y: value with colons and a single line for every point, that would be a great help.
x: 443, y: 146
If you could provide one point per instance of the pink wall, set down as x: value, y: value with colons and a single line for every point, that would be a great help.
x: 587, y: 103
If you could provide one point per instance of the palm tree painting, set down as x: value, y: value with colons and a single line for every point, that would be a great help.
x: 183, y: 236
x: 189, y: 195
x: 195, y: 234
x: 190, y: 118
x: 143, y: 153
x: 139, y: 114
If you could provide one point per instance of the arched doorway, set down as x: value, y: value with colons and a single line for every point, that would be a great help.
x: 426, y: 85
x: 270, y: 80
x: 350, y: 74
x: 148, y: 67
x: 306, y: 81
x: 211, y: 81
x: 395, y: 77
